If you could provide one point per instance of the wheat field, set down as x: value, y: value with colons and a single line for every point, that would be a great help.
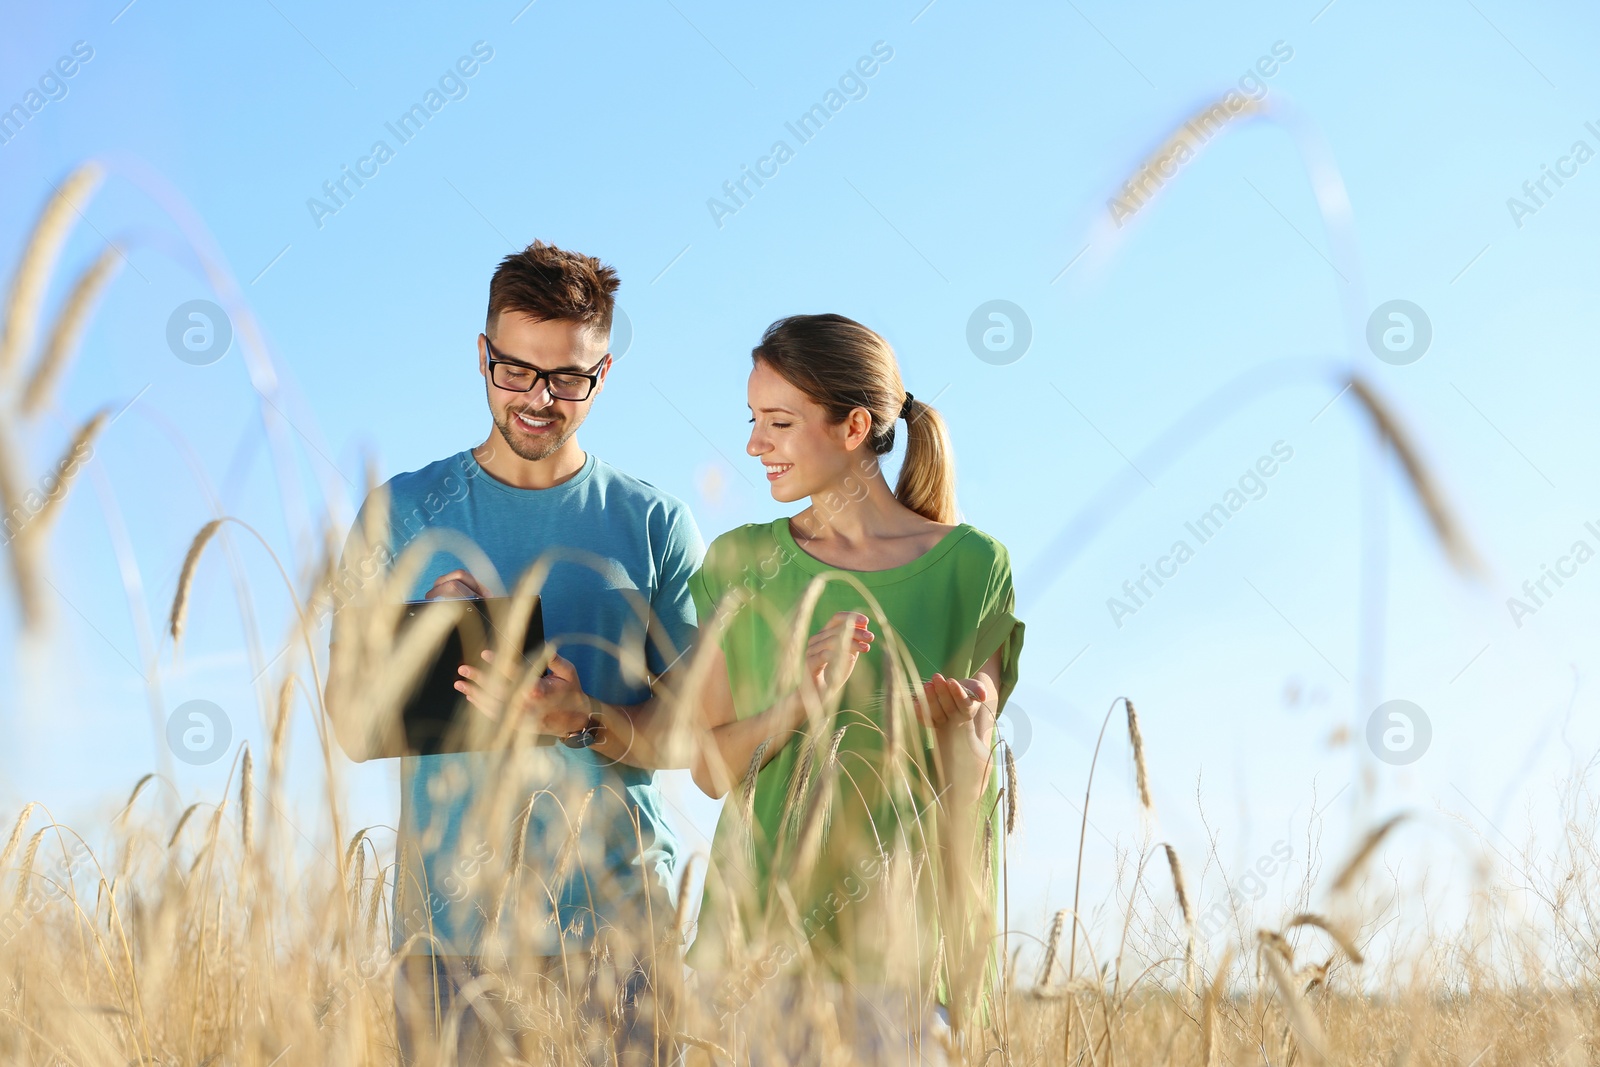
x: 224, y: 935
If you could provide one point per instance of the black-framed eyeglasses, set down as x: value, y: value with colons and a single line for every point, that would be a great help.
x: 517, y: 377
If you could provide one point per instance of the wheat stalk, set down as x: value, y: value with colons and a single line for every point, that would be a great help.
x: 680, y: 916
x: 138, y: 787
x: 16, y: 832
x: 183, y: 820
x: 701, y: 1043
x: 1300, y: 1017
x: 1177, y: 885
x: 25, y: 874
x: 988, y: 849
x: 39, y: 260
x: 25, y: 575
x: 1050, y: 946
x: 69, y: 327
x: 1272, y: 941
x: 375, y: 902
x: 247, y: 788
x: 1449, y: 532
x: 1083, y: 836
x: 1012, y: 801
x: 1340, y: 938
x: 1136, y: 739
x: 70, y: 464
x: 280, y: 729
x: 355, y: 854
x: 747, y: 787
x: 1364, y: 851
x: 1208, y: 1011
x: 819, y: 811
x: 191, y: 561
x: 519, y: 839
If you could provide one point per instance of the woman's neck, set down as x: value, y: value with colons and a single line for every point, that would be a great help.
x: 857, y: 510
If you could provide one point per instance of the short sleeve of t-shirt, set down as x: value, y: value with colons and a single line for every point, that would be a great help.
x: 999, y: 629
x: 730, y: 555
x: 672, y: 605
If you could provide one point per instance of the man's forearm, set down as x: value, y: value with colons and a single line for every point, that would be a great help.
x: 643, y: 735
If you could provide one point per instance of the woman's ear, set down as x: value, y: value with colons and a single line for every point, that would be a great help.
x: 857, y: 428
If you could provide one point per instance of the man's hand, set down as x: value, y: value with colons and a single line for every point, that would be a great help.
x: 456, y: 585
x: 554, y: 704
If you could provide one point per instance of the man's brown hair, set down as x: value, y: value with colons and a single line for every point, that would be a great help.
x: 547, y: 282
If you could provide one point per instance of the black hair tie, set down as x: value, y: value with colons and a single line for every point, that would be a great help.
x: 905, y: 409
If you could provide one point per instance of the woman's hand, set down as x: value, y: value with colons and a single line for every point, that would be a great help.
x: 954, y: 703
x: 832, y: 652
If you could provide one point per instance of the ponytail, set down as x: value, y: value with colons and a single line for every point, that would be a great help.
x: 927, y: 483
x: 843, y: 365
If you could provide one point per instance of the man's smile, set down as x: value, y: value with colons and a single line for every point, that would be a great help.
x: 533, y: 423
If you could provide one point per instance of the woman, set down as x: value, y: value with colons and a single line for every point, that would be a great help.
x: 862, y: 760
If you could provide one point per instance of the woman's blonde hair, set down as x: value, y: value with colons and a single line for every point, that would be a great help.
x: 842, y: 365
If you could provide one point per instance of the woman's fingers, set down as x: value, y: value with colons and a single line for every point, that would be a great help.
x: 845, y: 622
x: 950, y: 701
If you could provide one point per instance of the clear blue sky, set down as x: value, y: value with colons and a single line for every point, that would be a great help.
x: 974, y: 165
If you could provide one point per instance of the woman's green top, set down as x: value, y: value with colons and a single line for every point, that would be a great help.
x: 824, y: 856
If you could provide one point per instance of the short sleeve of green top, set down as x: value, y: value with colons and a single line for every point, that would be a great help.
x: 950, y: 609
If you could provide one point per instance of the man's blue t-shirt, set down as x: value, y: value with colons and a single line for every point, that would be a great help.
x: 622, y: 553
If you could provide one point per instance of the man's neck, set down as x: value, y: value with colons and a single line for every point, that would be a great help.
x: 504, y: 465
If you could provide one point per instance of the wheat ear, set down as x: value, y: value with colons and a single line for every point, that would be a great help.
x: 1178, y: 887
x: 1340, y: 938
x: 1012, y: 801
x: 1136, y: 739
x: 180, y: 601
x: 1050, y: 946
x: 39, y: 260
x: 69, y: 327
x: 16, y: 832
x: 70, y: 464
x: 1368, y: 846
x: 25, y: 875
x: 183, y: 820
x: 247, y: 789
x: 1445, y: 527
x: 1300, y: 1017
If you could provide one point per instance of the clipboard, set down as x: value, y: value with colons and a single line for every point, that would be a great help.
x: 436, y: 717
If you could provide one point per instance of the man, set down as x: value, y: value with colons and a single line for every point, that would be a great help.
x: 570, y: 900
